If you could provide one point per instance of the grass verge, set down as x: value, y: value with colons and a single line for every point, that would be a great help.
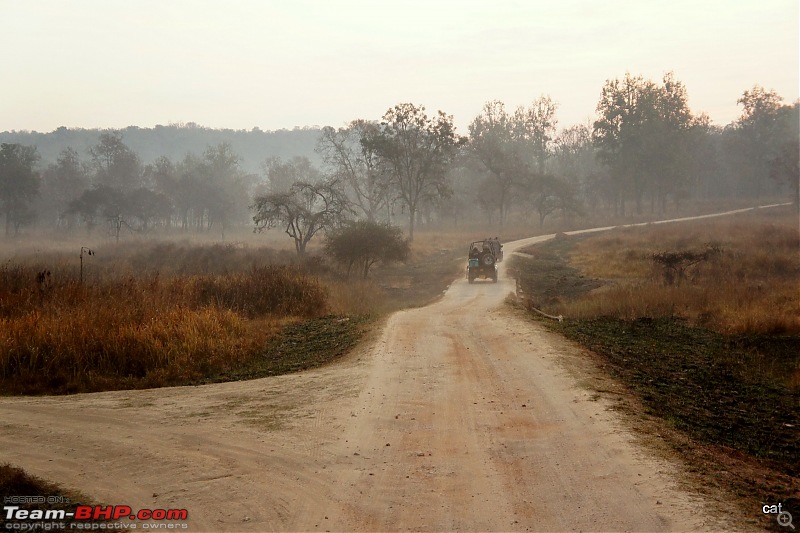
x: 301, y: 346
x: 728, y: 393
x: 16, y: 482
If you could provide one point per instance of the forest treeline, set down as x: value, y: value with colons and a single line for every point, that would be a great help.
x: 645, y: 151
x: 174, y: 141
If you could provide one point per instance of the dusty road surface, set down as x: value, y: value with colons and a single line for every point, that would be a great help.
x: 456, y: 416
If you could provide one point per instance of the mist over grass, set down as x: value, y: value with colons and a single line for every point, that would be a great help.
x: 750, y: 287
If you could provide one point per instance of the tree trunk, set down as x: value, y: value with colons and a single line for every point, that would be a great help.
x: 412, y: 215
x: 300, y: 247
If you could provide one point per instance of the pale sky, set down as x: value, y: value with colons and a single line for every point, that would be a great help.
x: 286, y: 63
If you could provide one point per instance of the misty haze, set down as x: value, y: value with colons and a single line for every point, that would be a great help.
x: 497, y: 290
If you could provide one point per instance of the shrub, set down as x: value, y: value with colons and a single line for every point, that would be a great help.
x: 363, y: 243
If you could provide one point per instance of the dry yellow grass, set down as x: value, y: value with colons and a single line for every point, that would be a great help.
x: 59, y: 334
x: 164, y: 313
x: 752, y: 286
x: 356, y: 297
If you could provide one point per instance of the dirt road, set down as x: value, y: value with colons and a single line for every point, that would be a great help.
x: 456, y: 416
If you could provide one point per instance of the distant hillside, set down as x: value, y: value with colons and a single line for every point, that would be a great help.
x: 175, y: 141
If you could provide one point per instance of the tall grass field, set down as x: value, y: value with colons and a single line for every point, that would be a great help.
x: 61, y: 335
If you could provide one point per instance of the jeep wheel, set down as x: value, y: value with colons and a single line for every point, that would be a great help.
x: 488, y: 260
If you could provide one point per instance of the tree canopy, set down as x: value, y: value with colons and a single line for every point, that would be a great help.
x: 361, y: 244
x: 416, y: 151
x: 351, y: 152
x: 303, y: 211
x: 641, y: 134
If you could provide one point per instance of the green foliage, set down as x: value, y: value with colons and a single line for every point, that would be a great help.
x: 207, y: 182
x: 492, y: 143
x: 97, y: 205
x: 645, y: 144
x: 136, y: 210
x: 62, y: 182
x: 360, y: 245
x: 785, y: 168
x: 548, y: 194
x: 146, y: 206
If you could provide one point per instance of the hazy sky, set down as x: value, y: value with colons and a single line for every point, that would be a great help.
x: 285, y: 63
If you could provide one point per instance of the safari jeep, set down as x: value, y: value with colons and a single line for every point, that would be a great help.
x: 483, y: 258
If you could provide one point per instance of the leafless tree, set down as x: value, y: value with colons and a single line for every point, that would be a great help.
x: 303, y: 211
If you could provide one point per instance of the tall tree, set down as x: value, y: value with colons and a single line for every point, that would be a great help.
x: 641, y: 134
x: 514, y: 149
x: 187, y: 194
x: 225, y: 185
x: 350, y: 152
x: 785, y: 166
x: 19, y: 183
x: 146, y: 207
x: 574, y: 158
x: 114, y: 164
x: 163, y: 175
x: 206, y: 191
x: 669, y: 142
x: 760, y: 135
x: 416, y: 150
x: 62, y: 182
x: 705, y: 159
x: 535, y: 126
x: 491, y: 143
x: 617, y: 133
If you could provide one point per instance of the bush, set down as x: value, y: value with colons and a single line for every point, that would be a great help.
x: 360, y: 245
